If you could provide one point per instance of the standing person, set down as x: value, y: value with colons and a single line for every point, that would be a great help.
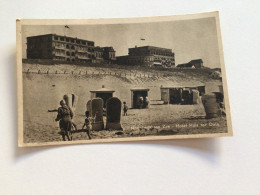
x: 141, y: 102
x: 73, y: 124
x: 221, y: 106
x: 88, y: 123
x: 125, y: 108
x: 146, y: 102
x: 64, y: 117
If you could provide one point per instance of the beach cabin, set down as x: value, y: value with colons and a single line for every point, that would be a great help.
x: 102, y: 93
x: 180, y: 94
x: 136, y: 93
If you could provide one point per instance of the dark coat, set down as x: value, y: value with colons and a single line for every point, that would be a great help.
x: 65, y: 115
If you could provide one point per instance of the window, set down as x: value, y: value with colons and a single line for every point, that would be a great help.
x: 56, y: 38
x: 67, y: 46
x: 71, y: 40
x: 72, y: 47
x: 67, y: 40
x: 68, y: 53
x: 73, y: 54
x: 62, y: 38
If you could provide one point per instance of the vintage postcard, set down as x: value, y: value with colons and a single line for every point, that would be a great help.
x: 126, y: 79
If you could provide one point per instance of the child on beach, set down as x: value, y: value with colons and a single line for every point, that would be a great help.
x: 125, y: 108
x: 88, y: 123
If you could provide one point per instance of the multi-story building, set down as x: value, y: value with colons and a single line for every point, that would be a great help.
x: 99, y: 54
x: 109, y: 53
x: 148, y: 56
x: 104, y: 54
x: 63, y: 48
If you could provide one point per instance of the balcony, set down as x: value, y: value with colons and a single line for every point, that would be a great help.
x: 59, y: 54
x: 82, y: 57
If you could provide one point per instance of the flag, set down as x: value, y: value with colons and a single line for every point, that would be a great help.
x: 67, y: 26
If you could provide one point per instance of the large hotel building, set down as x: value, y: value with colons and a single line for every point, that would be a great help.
x: 148, y: 56
x: 63, y: 48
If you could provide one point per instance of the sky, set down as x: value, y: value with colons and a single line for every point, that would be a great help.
x: 188, y: 39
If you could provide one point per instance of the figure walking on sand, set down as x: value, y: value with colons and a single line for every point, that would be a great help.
x: 146, y: 102
x: 64, y: 117
x: 73, y: 124
x: 88, y: 123
x: 125, y: 108
x: 221, y: 108
x: 140, y: 102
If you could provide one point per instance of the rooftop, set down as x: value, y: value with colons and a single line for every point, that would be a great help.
x: 196, y: 61
x: 103, y: 89
x: 108, y: 48
x: 139, y: 89
x: 183, y: 85
x: 151, y: 47
x: 62, y: 36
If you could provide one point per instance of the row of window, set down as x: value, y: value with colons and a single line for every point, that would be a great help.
x: 112, y: 55
x: 163, y: 58
x: 59, y: 58
x: 71, y: 40
x: 84, y: 49
x: 79, y: 54
x: 59, y: 51
x: 99, y: 55
x: 151, y: 52
x: 68, y: 59
x: 63, y: 45
x: 167, y: 63
x: 59, y: 44
x: 150, y: 59
x: 162, y: 54
x: 141, y: 60
x: 147, y: 59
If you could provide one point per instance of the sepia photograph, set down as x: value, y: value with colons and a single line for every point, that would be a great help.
x: 125, y: 79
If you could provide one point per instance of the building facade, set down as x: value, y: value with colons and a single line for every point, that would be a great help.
x: 63, y: 48
x: 109, y: 53
x: 148, y: 56
x: 198, y: 63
